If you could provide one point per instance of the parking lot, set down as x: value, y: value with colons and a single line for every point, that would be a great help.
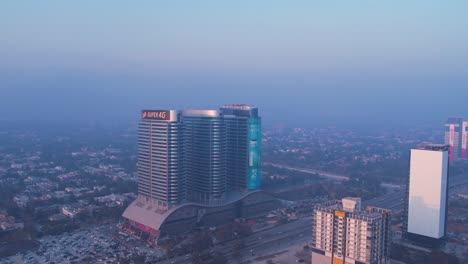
x: 101, y: 244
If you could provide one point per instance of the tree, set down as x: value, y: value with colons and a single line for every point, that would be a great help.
x: 196, y: 258
x: 439, y: 257
x: 139, y: 259
x: 465, y: 255
x: 236, y: 251
x: 201, y: 241
x: 223, y: 233
x: 218, y: 258
x: 124, y: 260
x: 399, y: 252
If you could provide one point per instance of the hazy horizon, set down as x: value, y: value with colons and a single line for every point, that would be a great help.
x: 300, y: 63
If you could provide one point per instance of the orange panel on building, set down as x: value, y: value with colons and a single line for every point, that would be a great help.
x: 337, y: 261
x: 340, y: 214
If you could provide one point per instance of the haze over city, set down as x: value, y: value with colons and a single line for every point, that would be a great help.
x: 332, y: 63
x: 234, y: 132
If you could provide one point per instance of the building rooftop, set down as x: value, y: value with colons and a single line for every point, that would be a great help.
x: 153, y: 218
x: 352, y: 206
x: 454, y: 120
x: 433, y: 147
x: 195, y: 112
x: 238, y: 106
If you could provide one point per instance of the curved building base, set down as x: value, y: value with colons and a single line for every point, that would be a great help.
x: 188, y: 216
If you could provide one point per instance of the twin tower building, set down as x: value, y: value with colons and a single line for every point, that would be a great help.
x: 198, y: 156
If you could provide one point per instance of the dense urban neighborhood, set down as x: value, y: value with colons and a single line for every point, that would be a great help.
x: 63, y: 194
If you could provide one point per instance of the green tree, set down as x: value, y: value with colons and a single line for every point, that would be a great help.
x: 218, y: 258
x: 236, y: 251
x: 196, y: 258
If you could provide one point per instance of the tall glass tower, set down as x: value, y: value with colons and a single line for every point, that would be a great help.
x: 204, y: 155
x: 244, y: 138
x: 208, y: 157
x: 160, y: 175
x: 198, y: 155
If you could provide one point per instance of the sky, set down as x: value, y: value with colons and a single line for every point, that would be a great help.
x: 312, y: 63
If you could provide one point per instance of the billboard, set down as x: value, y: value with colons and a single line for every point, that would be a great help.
x: 451, y: 142
x: 452, y: 135
x: 255, y: 142
x: 464, y: 139
x: 156, y: 114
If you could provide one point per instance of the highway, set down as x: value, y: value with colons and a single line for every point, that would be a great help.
x: 270, y: 240
x: 395, y: 199
x: 274, y: 240
x: 277, y: 245
x: 392, y: 200
x: 310, y: 171
x: 299, y: 232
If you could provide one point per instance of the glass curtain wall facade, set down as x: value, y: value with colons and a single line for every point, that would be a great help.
x: 243, y: 132
x: 160, y: 179
x: 198, y: 155
x: 204, y: 156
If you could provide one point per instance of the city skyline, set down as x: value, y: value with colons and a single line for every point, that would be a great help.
x: 79, y: 183
x: 217, y: 132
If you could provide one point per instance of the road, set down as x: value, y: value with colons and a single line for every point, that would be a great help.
x: 310, y: 171
x: 299, y: 231
x: 275, y: 240
x: 395, y: 199
x: 284, y: 236
x: 392, y: 200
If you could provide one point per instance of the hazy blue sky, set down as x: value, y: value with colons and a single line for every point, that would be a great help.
x: 391, y: 62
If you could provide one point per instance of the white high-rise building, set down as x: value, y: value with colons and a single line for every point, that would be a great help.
x: 343, y: 233
x: 426, y: 208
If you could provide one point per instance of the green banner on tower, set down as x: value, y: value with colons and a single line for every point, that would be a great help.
x: 255, y: 142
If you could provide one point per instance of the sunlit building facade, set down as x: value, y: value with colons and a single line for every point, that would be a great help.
x: 345, y: 233
x: 426, y: 207
x: 243, y: 146
x: 204, y: 156
x: 195, y: 158
x: 160, y: 176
